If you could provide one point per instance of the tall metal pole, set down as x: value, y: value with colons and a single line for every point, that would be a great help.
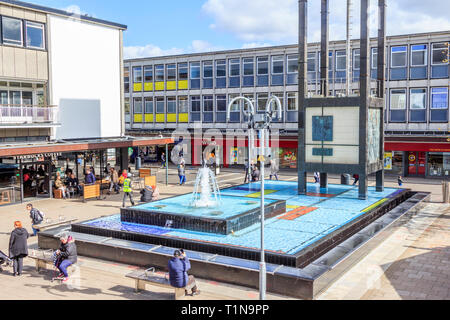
x: 262, y: 265
x: 348, y: 48
x: 167, y: 164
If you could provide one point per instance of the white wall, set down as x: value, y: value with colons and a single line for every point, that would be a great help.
x: 85, y: 78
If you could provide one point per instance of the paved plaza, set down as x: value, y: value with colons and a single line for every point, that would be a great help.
x: 412, y: 263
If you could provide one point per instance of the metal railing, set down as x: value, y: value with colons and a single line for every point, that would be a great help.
x: 336, y: 87
x: 19, y: 114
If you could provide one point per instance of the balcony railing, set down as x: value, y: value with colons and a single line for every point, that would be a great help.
x: 27, y: 114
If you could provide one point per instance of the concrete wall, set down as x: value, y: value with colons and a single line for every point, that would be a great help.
x: 85, y: 78
x: 21, y: 63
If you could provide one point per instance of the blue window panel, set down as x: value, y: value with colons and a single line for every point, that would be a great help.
x: 398, y: 49
x: 292, y: 78
x: 374, y: 74
x: 356, y: 76
x: 278, y: 80
x: 207, y: 83
x: 221, y: 83
x: 325, y: 152
x: 439, y: 71
x: 439, y: 115
x: 235, y: 117
x: 340, y: 76
x: 398, y: 116
x: 312, y: 78
x: 248, y: 81
x: 195, y: 84
x: 398, y: 74
x: 221, y: 117
x: 277, y: 120
x: 417, y: 115
x: 195, y: 117
x: 330, y: 77
x: 322, y: 128
x: 418, y: 73
x: 419, y: 47
x: 262, y: 81
x: 291, y: 116
x: 208, y: 117
x: 234, y: 82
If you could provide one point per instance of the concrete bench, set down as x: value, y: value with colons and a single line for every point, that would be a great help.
x: 43, y: 258
x: 150, y: 277
x: 49, y: 223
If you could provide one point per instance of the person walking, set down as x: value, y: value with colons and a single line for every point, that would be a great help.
x: 127, y: 191
x: 114, y: 181
x: 163, y: 160
x: 181, y: 174
x: 36, y: 218
x: 273, y: 169
x: 18, y: 247
x: 178, y: 276
x: 316, y: 177
x: 399, y: 181
x: 66, y: 255
x: 356, y: 177
x: 247, y: 174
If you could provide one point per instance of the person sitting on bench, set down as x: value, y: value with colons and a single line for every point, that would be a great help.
x: 178, y: 277
x: 66, y: 256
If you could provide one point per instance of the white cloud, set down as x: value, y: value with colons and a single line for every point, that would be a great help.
x: 251, y: 45
x: 203, y: 46
x: 74, y: 9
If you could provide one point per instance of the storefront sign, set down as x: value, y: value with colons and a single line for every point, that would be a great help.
x: 39, y: 156
x: 388, y: 161
x: 412, y: 158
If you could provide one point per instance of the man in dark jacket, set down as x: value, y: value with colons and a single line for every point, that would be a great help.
x: 178, y: 277
x: 90, y: 177
x: 18, y: 247
x: 67, y: 255
x: 36, y: 218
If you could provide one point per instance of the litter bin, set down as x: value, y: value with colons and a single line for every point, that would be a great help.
x: 345, y: 179
x: 138, y: 163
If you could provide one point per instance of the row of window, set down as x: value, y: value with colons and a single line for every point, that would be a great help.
x: 22, y: 33
x: 248, y: 67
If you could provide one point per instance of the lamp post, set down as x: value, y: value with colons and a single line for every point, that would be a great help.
x: 261, y: 122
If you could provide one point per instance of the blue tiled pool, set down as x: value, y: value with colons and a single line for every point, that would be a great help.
x: 308, y: 219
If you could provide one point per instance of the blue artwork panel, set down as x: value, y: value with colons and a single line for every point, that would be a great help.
x: 322, y: 128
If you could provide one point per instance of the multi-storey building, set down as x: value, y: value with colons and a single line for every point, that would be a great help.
x: 163, y: 94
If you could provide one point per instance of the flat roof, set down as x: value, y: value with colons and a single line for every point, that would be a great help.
x: 63, y: 13
x: 18, y: 149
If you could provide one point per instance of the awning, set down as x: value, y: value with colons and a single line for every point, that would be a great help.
x: 420, y: 146
x: 80, y: 145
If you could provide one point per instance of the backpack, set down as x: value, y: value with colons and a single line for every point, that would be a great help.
x: 39, y: 216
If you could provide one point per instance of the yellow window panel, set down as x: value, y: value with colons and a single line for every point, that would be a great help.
x: 148, y: 86
x: 160, y: 118
x: 137, y: 87
x: 148, y: 118
x: 138, y: 118
x: 183, y: 85
x: 171, y: 117
x: 171, y: 85
x: 159, y: 86
x: 183, y: 117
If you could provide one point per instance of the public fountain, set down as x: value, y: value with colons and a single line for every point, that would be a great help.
x: 205, y: 186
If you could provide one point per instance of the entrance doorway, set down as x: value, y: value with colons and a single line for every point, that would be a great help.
x: 417, y: 163
x: 35, y: 179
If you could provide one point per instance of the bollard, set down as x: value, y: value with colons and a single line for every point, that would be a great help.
x: 445, y: 192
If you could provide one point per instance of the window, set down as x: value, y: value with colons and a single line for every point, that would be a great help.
x: 127, y: 106
x: 398, y: 99
x: 159, y: 73
x: 221, y: 102
x: 248, y: 66
x: 398, y: 57
x: 417, y: 99
x: 262, y: 101
x: 34, y: 35
x: 277, y: 64
x: 171, y: 105
x: 195, y: 104
x: 235, y: 70
x: 440, y: 53
x: 221, y: 68
x: 182, y: 71
x: 148, y: 105
x: 208, y: 104
x: 341, y: 59
x: 137, y: 105
x: 148, y: 74
x: 160, y: 105
x: 183, y: 106
x: 195, y: 70
x: 439, y: 98
x: 292, y: 101
x: 235, y: 107
x: 251, y: 97
x: 311, y: 62
x: 292, y: 63
x: 419, y: 55
x: 263, y: 66
x: 356, y: 59
x: 12, y: 31
x: 374, y: 58
x: 207, y: 69
x: 171, y: 72
x: 126, y: 79
x: 137, y: 74
x: 280, y: 96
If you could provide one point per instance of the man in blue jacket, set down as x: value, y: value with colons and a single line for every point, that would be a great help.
x: 178, y: 277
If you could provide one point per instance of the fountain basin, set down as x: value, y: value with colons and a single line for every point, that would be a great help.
x: 235, y: 213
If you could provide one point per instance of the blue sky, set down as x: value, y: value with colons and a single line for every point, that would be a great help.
x: 176, y: 26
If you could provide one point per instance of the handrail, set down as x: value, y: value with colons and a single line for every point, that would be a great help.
x: 12, y: 113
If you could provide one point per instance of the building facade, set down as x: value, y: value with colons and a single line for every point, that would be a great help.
x: 163, y: 94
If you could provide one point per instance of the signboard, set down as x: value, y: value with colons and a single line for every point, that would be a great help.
x: 39, y: 156
x: 388, y: 161
x: 234, y: 155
